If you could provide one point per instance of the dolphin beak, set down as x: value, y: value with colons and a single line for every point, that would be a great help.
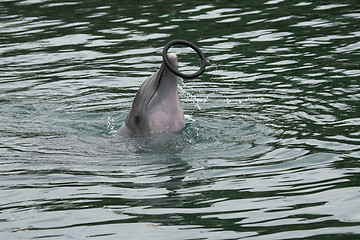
x: 164, y: 71
x: 166, y: 82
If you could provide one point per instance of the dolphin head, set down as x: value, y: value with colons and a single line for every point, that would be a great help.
x: 156, y: 106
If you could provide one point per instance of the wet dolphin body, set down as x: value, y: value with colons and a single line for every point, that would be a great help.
x: 156, y: 106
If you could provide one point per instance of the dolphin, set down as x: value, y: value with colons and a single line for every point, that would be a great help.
x: 156, y: 107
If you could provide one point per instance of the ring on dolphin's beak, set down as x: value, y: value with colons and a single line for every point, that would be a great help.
x: 191, y: 45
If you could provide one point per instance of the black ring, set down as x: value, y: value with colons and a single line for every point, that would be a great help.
x: 191, y: 45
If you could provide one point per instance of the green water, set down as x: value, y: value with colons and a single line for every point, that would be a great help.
x: 271, y: 146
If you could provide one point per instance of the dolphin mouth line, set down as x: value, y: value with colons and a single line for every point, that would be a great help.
x: 158, y: 79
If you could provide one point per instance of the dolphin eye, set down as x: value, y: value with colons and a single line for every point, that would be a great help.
x: 137, y: 119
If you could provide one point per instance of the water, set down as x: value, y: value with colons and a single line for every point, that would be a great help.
x: 271, y: 146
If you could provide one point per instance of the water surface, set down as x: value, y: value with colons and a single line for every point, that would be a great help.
x: 271, y: 145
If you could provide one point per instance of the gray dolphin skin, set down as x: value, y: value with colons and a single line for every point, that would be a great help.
x: 156, y: 107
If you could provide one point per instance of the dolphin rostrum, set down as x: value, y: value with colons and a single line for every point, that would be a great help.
x: 156, y: 107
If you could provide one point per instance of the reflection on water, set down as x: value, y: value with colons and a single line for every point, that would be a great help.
x: 271, y: 144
